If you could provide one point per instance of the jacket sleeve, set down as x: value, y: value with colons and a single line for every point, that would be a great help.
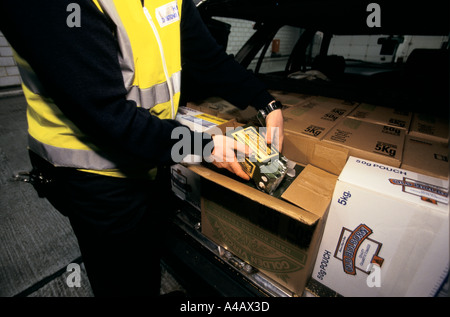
x: 79, y: 68
x: 207, y: 67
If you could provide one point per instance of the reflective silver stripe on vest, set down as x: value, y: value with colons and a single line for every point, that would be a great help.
x: 85, y: 159
x: 149, y: 97
x: 126, y: 52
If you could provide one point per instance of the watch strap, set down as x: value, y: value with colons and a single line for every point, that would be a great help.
x: 274, y: 105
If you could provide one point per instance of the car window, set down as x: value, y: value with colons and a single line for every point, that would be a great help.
x: 240, y: 32
x: 369, y: 48
x: 353, y: 48
x: 347, y: 62
x: 278, y: 52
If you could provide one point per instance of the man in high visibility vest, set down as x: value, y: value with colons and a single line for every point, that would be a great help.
x: 102, y: 96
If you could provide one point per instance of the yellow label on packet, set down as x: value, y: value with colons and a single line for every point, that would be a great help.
x: 209, y: 118
x: 250, y: 137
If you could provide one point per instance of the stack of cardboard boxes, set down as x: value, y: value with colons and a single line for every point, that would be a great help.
x: 281, y: 236
x: 277, y: 236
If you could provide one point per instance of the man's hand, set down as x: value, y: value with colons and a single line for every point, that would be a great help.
x: 223, y: 155
x: 275, y: 131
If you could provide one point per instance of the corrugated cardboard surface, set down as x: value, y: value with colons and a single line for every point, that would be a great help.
x: 382, y: 115
x: 282, y: 261
x: 312, y: 190
x: 430, y: 127
x: 368, y: 140
x: 275, y: 236
x: 426, y: 156
x: 253, y: 194
x: 315, y: 117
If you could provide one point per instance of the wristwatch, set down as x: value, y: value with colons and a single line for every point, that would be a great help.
x: 273, y: 105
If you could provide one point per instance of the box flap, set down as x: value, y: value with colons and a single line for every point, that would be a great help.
x: 430, y: 192
x: 329, y: 157
x: 284, y: 207
x: 312, y: 190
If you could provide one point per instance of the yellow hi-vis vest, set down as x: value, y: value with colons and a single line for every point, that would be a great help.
x: 149, y: 41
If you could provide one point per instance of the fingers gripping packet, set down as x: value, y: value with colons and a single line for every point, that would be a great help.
x: 265, y: 165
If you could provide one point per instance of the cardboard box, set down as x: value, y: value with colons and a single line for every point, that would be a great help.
x: 223, y: 109
x: 387, y: 233
x: 313, y: 118
x: 305, y: 150
x: 279, y: 237
x: 430, y: 127
x: 370, y: 141
x: 426, y: 157
x: 382, y: 115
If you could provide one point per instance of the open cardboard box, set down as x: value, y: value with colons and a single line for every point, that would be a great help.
x: 278, y: 236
